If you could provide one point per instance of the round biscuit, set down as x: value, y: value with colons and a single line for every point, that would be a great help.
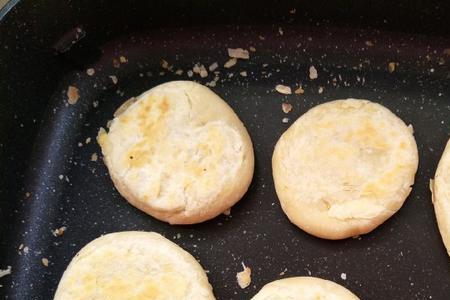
x: 344, y: 167
x: 440, y: 189
x: 304, y: 288
x: 133, y: 265
x: 179, y: 153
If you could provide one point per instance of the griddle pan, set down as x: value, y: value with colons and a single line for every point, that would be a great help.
x: 48, y: 180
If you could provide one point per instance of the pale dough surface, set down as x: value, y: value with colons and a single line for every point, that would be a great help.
x: 344, y: 167
x: 304, y: 288
x: 133, y: 266
x: 179, y: 153
x: 440, y: 188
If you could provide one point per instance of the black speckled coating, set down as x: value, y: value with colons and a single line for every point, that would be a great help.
x: 48, y: 180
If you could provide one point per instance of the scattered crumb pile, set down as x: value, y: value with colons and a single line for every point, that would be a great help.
x: 244, y: 277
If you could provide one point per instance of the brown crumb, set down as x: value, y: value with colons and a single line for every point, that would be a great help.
x: 262, y: 38
x: 283, y: 272
x: 72, y: 95
x: 27, y: 195
x: 299, y: 91
x: 369, y: 43
x: 446, y: 51
x: 280, y: 31
x: 283, y: 89
x: 44, y: 261
x: 231, y: 62
x: 59, y: 231
x: 123, y: 59
x: 293, y: 11
x: 114, y: 79
x: 116, y: 63
x: 391, y: 67
x: 321, y: 88
x: 94, y: 157
x: 90, y: 71
x: 286, y: 107
x: 244, y: 277
x: 238, y: 53
x: 243, y: 73
x: 252, y: 49
x: 313, y: 73
x: 179, y: 72
x: 227, y: 212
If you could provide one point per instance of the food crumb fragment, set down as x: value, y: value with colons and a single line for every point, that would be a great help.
x: 391, y: 67
x: 190, y: 73
x: 243, y: 73
x: 280, y: 31
x: 238, y: 53
x: 285, y: 120
x: 114, y: 79
x: 227, y: 212
x: 94, y: 157
x: 446, y: 51
x: 45, y: 262
x: 244, y: 277
x: 90, y: 71
x: 123, y: 59
x: 343, y: 276
x: 299, y: 91
x: 283, y: 89
x: 213, y: 67
x: 4, y: 272
x: 59, y: 231
x: 313, y: 73
x: 369, y: 43
x: 231, y: 62
x: 27, y: 195
x: 320, y: 89
x: 283, y: 272
x: 72, y: 95
x: 201, y: 70
x: 179, y: 72
x: 164, y: 64
x: 286, y: 107
x: 88, y: 140
x: 252, y: 49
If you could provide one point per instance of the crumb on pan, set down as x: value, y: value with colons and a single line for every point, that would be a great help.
x: 94, y: 157
x: 446, y: 51
x: 313, y: 73
x: 27, y: 195
x: 114, y: 79
x: 299, y: 91
x: 179, y: 72
x: 123, y: 59
x: 227, y: 212
x: 285, y: 120
x: 59, y: 231
x: 201, y: 70
x: 4, y: 272
x: 72, y: 95
x: 90, y: 71
x: 243, y: 73
x: 343, y: 276
x: 45, y: 262
x: 231, y: 62
x: 213, y: 67
x: 261, y: 37
x: 244, y: 277
x: 283, y: 272
x: 293, y: 11
x: 283, y: 89
x: 391, y: 67
x: 238, y: 53
x: 286, y: 107
x: 190, y: 73
x: 252, y: 49
x: 280, y: 31
x: 88, y: 140
x: 320, y: 89
x: 369, y: 43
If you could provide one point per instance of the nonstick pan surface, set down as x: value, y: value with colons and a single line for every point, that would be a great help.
x: 49, y: 179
